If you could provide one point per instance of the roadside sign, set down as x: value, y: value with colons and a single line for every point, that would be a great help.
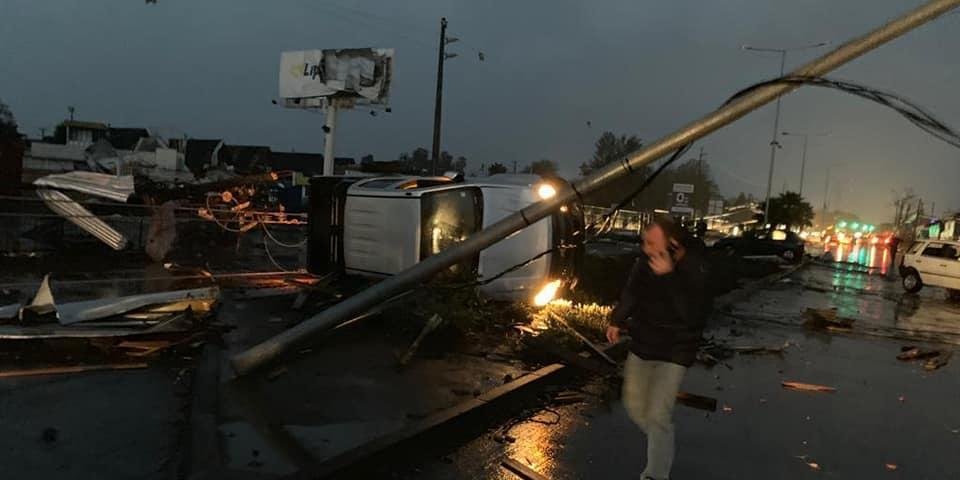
x: 683, y: 188
x: 715, y: 207
x: 682, y: 210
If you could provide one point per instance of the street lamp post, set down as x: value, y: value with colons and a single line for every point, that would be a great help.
x: 774, y: 144
x: 803, y: 161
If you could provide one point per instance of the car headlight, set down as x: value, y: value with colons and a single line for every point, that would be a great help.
x: 546, y: 293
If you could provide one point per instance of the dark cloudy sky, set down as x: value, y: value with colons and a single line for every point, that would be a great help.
x: 209, y: 69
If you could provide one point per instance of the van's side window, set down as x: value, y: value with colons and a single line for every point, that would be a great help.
x: 933, y: 250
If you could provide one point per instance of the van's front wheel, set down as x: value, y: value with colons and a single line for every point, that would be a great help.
x: 911, y: 281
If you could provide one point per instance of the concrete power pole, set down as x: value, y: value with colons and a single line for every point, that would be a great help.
x: 442, y: 57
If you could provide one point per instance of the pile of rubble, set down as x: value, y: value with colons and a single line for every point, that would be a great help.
x: 134, y: 326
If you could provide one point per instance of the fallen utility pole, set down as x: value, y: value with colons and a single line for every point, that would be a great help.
x: 270, y: 349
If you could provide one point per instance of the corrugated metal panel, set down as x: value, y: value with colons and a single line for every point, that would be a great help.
x: 83, y: 218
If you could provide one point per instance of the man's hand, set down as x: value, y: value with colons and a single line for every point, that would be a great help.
x: 662, y: 262
x: 613, y: 334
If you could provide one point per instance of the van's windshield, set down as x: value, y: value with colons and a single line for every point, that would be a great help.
x: 448, y: 217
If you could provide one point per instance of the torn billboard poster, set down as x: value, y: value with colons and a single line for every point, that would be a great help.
x: 363, y: 73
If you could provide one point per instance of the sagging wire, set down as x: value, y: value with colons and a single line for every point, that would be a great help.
x: 911, y: 111
x: 917, y: 115
x: 222, y: 225
x: 278, y: 242
x: 266, y: 248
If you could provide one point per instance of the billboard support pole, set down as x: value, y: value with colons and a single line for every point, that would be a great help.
x: 329, y: 129
x: 359, y: 303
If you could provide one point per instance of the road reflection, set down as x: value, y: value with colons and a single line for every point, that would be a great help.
x: 873, y: 256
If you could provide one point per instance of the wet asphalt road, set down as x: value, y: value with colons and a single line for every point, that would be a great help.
x: 888, y: 419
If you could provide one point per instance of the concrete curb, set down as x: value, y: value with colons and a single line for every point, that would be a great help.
x: 446, y: 425
x: 460, y: 422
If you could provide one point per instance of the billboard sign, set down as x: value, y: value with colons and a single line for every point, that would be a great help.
x: 309, y: 76
x: 683, y: 188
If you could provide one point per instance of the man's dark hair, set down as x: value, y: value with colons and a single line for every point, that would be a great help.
x: 670, y: 228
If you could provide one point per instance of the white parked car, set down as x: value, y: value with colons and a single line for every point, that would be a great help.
x: 931, y: 262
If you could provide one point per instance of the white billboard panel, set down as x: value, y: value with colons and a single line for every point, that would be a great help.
x: 361, y: 73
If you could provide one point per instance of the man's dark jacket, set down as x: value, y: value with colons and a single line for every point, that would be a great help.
x: 665, y: 314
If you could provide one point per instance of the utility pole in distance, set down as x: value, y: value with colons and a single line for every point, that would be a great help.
x: 774, y: 143
x: 438, y: 103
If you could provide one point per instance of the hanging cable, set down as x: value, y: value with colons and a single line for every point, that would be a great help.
x: 911, y: 111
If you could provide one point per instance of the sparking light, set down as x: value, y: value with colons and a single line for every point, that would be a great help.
x: 545, y: 190
x: 547, y: 293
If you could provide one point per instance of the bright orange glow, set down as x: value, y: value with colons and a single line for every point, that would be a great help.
x: 547, y: 293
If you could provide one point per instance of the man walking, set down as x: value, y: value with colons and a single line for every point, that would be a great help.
x: 663, y: 308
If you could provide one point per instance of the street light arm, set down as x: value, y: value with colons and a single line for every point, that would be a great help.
x: 784, y: 50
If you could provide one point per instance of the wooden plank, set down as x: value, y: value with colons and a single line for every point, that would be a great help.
x: 521, y: 470
x: 808, y: 387
x: 27, y: 372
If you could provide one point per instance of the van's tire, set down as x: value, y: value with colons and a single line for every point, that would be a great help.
x: 911, y: 281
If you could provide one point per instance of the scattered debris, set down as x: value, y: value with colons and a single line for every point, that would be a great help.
x: 939, y: 361
x: 111, y: 187
x: 727, y: 409
x: 78, y: 215
x: 42, y: 302
x: 162, y: 232
x: 430, y: 326
x: 697, y: 401
x: 28, y: 372
x: 566, y: 398
x: 761, y: 350
x: 75, y: 312
x: 812, y: 464
x: 8, y: 312
x: 521, y: 470
x: 915, y: 353
x: 935, y: 359
x: 826, y: 319
x: 808, y: 387
x: 890, y: 466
